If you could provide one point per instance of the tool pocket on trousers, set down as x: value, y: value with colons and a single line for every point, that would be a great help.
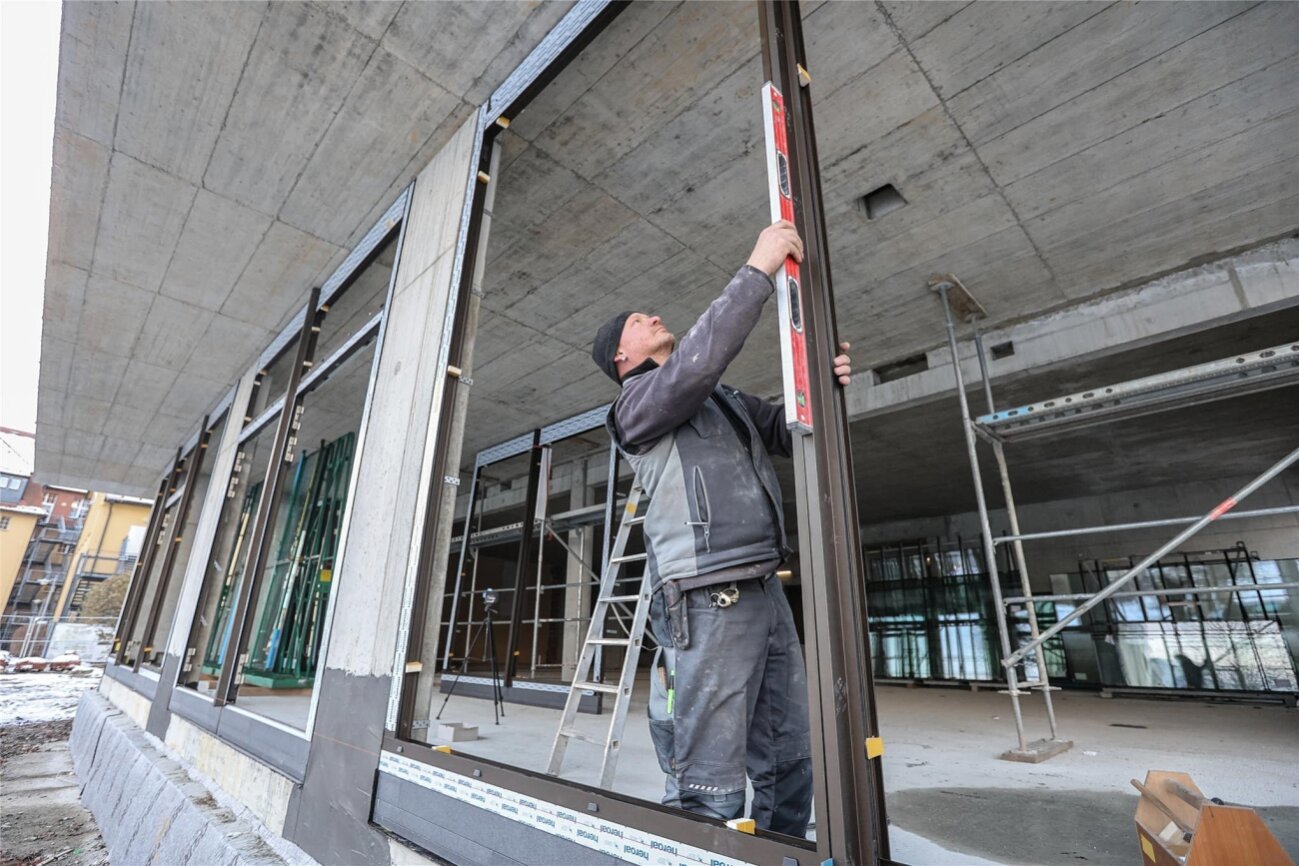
x: 678, y: 617
x: 663, y: 735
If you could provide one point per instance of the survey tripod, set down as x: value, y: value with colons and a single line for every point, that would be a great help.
x: 485, y: 631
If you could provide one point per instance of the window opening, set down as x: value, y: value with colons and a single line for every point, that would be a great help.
x: 208, y: 648
x: 198, y: 476
x: 289, y: 616
x: 615, y: 246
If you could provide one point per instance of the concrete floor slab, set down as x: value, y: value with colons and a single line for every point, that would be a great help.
x: 950, y: 797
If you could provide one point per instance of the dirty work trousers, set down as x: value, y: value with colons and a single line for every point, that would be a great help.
x: 738, y: 708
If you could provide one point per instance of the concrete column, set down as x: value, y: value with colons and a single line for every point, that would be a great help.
x: 329, y: 813
x: 577, y: 598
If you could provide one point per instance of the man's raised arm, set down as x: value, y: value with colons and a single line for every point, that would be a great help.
x: 655, y: 403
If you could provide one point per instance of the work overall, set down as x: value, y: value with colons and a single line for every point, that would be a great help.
x: 734, y: 703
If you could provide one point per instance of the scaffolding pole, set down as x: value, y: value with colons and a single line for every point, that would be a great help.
x: 1238, y: 589
x: 1220, y: 509
x: 1144, y: 524
x: 1017, y: 547
x: 989, y: 550
x: 460, y: 566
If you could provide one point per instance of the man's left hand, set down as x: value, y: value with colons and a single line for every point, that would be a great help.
x: 843, y: 364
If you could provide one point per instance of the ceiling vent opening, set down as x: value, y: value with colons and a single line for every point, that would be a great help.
x: 884, y: 200
x: 1003, y: 350
x: 901, y: 369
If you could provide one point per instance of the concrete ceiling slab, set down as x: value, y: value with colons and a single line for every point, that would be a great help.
x: 932, y: 82
x: 79, y: 166
x: 212, y: 162
x: 92, y: 59
x: 181, y: 73
x: 386, y: 117
x: 304, y: 63
x: 143, y: 215
x: 219, y: 239
x: 210, y: 167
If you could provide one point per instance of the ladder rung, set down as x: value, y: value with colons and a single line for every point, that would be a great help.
x: 611, y: 641
x: 632, y: 521
x: 574, y: 735
x: 635, y: 557
x: 619, y: 599
x: 596, y: 687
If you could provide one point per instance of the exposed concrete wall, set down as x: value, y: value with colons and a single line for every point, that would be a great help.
x: 150, y: 809
x: 1182, y: 303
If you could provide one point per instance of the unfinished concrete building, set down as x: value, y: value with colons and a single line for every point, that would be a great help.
x: 322, y: 283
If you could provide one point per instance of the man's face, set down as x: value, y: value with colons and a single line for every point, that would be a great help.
x: 643, y: 336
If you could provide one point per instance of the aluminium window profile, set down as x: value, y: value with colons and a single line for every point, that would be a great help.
x: 195, y: 461
x: 355, y: 343
x: 264, y: 519
x: 365, y: 250
x: 258, y: 424
x: 143, y: 565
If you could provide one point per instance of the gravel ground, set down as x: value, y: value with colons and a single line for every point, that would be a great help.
x: 42, y: 822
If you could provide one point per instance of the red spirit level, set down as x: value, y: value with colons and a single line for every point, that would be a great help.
x: 789, y: 305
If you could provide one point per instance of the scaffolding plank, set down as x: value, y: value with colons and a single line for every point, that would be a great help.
x: 1216, y: 380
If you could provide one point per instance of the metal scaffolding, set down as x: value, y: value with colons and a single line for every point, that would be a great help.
x: 530, y: 532
x: 1229, y: 377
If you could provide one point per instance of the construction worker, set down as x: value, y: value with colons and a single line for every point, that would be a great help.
x: 733, y: 703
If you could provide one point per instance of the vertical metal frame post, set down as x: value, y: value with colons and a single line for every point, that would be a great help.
x: 259, y: 544
x: 178, y: 528
x: 526, y: 553
x: 135, y: 594
x: 460, y: 567
x: 851, y: 822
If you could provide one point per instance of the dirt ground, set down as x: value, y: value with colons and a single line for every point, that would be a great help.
x: 42, y: 822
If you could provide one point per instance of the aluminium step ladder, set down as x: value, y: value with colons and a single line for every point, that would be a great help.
x: 614, y: 593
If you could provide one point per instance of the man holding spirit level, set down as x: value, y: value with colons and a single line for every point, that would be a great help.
x: 734, y: 704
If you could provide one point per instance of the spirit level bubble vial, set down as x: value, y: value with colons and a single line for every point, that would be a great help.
x: 789, y: 305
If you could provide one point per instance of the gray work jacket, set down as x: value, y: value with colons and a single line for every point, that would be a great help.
x: 700, y: 449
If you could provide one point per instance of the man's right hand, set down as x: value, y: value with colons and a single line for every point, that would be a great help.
x: 777, y: 242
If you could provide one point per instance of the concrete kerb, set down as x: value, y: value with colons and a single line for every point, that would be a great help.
x: 150, y: 808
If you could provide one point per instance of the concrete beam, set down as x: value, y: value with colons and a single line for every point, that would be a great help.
x: 1184, y: 302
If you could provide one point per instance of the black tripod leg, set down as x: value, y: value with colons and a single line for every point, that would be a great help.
x: 464, y: 669
x: 498, y: 695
